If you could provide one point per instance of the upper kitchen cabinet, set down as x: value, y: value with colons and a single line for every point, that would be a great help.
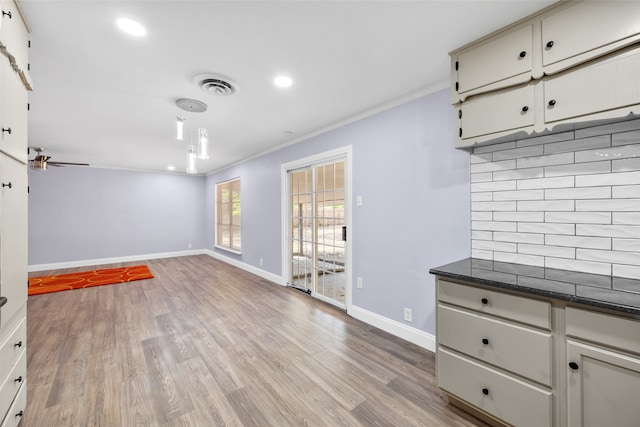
x: 586, y: 30
x: 501, y: 62
x: 14, y: 29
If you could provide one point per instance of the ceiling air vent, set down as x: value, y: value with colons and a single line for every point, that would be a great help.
x: 216, y: 84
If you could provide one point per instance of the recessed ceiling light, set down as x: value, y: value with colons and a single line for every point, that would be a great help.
x: 130, y: 26
x: 283, y: 81
x: 171, y: 168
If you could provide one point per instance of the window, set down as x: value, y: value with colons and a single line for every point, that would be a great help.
x: 228, y: 215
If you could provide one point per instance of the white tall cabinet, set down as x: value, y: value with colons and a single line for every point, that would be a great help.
x: 14, y: 83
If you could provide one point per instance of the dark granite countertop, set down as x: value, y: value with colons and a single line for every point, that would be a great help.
x: 613, y: 293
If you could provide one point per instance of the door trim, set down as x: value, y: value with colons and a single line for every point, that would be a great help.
x: 345, y: 152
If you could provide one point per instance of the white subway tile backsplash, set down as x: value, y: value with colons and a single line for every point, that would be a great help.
x: 547, y: 228
x: 577, y: 193
x: 569, y: 200
x: 518, y: 195
x: 534, y: 239
x: 516, y: 153
x: 546, y: 205
x: 543, y: 250
x: 624, y: 231
x: 578, y: 241
x: 493, y: 186
x: 618, y: 205
x: 627, y: 191
x: 550, y: 160
x: 577, y: 169
x: 613, y: 257
x: 628, y: 245
x: 622, y: 178
x: 559, y: 182
x: 578, y: 217
x: 601, y: 141
x: 632, y: 272
x: 578, y: 265
x: 519, y: 216
x: 630, y: 218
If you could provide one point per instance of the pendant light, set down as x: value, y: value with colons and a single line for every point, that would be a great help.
x: 203, y: 144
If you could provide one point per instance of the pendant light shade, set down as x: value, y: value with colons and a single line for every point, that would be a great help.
x: 179, y: 129
x: 203, y: 144
x: 191, y: 160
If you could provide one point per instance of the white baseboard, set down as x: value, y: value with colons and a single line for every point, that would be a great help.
x: 413, y: 335
x: 101, y: 261
x: 246, y: 267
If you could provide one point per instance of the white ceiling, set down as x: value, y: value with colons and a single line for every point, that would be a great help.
x: 107, y: 98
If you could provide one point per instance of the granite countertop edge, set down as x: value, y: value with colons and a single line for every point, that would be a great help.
x: 442, y: 272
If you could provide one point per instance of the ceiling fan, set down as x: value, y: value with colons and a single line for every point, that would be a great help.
x: 40, y: 161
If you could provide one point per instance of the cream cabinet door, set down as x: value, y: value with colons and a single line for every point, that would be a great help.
x: 506, y: 59
x: 13, y: 236
x: 13, y: 113
x: 603, y: 387
x: 14, y: 38
x: 496, y: 112
x: 587, y: 26
x: 595, y: 88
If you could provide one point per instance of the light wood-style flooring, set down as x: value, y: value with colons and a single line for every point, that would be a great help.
x: 207, y: 344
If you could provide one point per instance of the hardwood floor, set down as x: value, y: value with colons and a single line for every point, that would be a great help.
x: 207, y: 344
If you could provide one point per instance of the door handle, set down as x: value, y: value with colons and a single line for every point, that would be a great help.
x: 344, y: 233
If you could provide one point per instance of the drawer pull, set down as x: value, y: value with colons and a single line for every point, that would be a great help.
x: 485, y: 391
x: 8, y: 130
x: 18, y: 380
x: 550, y: 44
x: 18, y: 344
x: 20, y: 414
x: 484, y: 301
x: 573, y: 365
x: 6, y: 14
x: 525, y: 109
x: 6, y: 185
x: 552, y: 103
x: 485, y: 341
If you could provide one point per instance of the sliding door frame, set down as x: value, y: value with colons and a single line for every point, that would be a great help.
x: 339, y: 153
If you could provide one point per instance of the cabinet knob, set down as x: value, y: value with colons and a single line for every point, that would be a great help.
x: 552, y: 103
x: 6, y: 185
x: 18, y: 380
x: 573, y: 365
x: 20, y: 414
x: 485, y: 391
x: 18, y: 344
x: 6, y: 14
x: 8, y: 130
x: 523, y: 54
x: 485, y: 341
x: 549, y: 44
x: 525, y: 109
x: 484, y: 301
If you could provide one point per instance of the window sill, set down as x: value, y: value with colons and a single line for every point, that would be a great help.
x: 233, y: 251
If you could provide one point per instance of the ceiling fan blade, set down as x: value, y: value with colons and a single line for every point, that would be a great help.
x: 67, y: 164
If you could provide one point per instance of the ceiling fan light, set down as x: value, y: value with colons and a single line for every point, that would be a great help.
x: 203, y: 144
x: 38, y: 165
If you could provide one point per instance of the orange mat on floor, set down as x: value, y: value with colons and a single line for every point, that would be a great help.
x: 86, y: 279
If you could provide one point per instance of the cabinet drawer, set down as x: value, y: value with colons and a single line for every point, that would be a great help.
x: 17, y: 376
x: 16, y: 411
x: 513, y: 348
x: 497, y: 112
x: 590, y: 29
x: 14, y: 37
x: 500, y: 395
x: 603, y: 86
x: 601, y: 328
x: 13, y: 113
x: 524, y: 310
x: 506, y: 59
x: 13, y: 347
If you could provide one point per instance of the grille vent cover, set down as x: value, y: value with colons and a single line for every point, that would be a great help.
x: 216, y: 85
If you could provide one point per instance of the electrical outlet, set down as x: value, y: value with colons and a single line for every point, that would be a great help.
x: 408, y: 314
x: 358, y: 200
x: 261, y: 261
x: 359, y: 282
x: 189, y: 246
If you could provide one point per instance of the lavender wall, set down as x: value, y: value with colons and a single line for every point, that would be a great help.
x: 416, y: 212
x: 85, y: 213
